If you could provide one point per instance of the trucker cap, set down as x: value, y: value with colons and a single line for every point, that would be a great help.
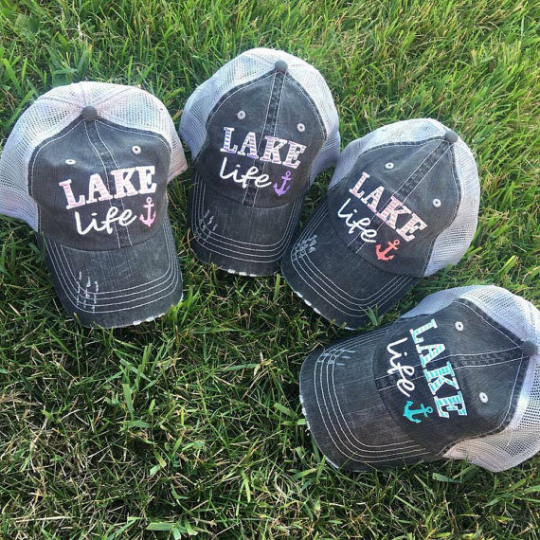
x: 87, y: 166
x: 402, y: 204
x: 456, y: 377
x: 260, y: 130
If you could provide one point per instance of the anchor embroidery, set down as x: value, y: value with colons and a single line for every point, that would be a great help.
x: 383, y: 255
x: 150, y: 218
x: 410, y: 414
x: 281, y: 190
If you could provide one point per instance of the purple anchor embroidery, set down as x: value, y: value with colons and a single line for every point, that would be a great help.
x: 281, y: 190
x: 150, y: 217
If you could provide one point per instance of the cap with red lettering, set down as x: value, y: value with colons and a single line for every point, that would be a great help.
x: 260, y: 130
x: 457, y: 377
x: 402, y: 204
x: 87, y: 167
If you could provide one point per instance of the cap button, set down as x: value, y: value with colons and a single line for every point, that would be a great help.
x: 451, y: 136
x: 89, y: 113
x: 281, y: 66
x: 529, y: 348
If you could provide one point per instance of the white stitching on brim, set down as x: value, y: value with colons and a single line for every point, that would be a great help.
x: 168, y: 286
x: 199, y: 194
x: 137, y: 289
x: 350, y: 443
x: 210, y: 240
x: 97, y: 307
x: 322, y: 284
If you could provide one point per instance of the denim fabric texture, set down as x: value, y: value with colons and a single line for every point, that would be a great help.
x: 253, y: 172
x: 410, y: 390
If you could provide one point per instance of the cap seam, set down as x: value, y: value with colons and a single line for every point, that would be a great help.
x: 313, y: 106
x: 456, y: 210
x: 229, y: 94
x: 129, y: 130
x: 250, y: 188
x: 494, y: 324
x: 109, y: 185
x: 504, y: 422
x: 361, y: 248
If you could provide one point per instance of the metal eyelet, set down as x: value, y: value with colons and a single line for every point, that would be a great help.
x: 70, y: 162
x: 301, y: 127
x: 437, y: 203
x: 459, y: 326
x: 483, y: 397
x: 389, y: 166
x: 241, y: 115
x: 136, y: 149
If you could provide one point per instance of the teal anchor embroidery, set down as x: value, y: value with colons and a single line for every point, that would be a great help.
x: 411, y: 413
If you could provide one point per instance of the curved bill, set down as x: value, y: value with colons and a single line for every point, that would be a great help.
x: 241, y: 239
x: 344, y: 410
x: 339, y: 284
x: 119, y: 287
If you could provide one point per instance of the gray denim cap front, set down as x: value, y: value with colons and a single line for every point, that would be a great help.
x: 376, y: 231
x: 261, y: 139
x: 97, y: 178
x: 413, y: 390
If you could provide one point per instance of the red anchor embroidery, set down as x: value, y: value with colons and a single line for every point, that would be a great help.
x: 382, y: 255
x: 150, y: 218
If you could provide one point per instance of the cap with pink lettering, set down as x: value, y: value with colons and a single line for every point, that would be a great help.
x: 457, y: 377
x: 402, y: 204
x: 260, y: 130
x: 87, y: 167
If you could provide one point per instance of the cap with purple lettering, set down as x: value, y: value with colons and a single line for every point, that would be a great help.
x: 402, y: 204
x: 260, y: 130
x: 457, y: 377
x: 87, y: 167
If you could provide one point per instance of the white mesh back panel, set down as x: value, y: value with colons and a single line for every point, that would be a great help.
x: 454, y: 241
x: 249, y: 66
x: 521, y: 439
x: 124, y: 105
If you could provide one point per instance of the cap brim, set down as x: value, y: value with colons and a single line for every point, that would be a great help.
x: 119, y: 287
x: 344, y: 411
x: 240, y: 239
x: 336, y: 282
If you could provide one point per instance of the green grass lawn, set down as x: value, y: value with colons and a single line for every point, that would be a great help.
x: 191, y: 424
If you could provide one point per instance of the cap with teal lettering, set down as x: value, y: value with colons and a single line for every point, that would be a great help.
x: 457, y: 377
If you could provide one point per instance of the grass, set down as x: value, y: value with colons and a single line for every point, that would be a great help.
x: 191, y: 424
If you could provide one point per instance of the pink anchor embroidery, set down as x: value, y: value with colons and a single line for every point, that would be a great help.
x: 281, y: 190
x: 382, y: 255
x: 150, y: 218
